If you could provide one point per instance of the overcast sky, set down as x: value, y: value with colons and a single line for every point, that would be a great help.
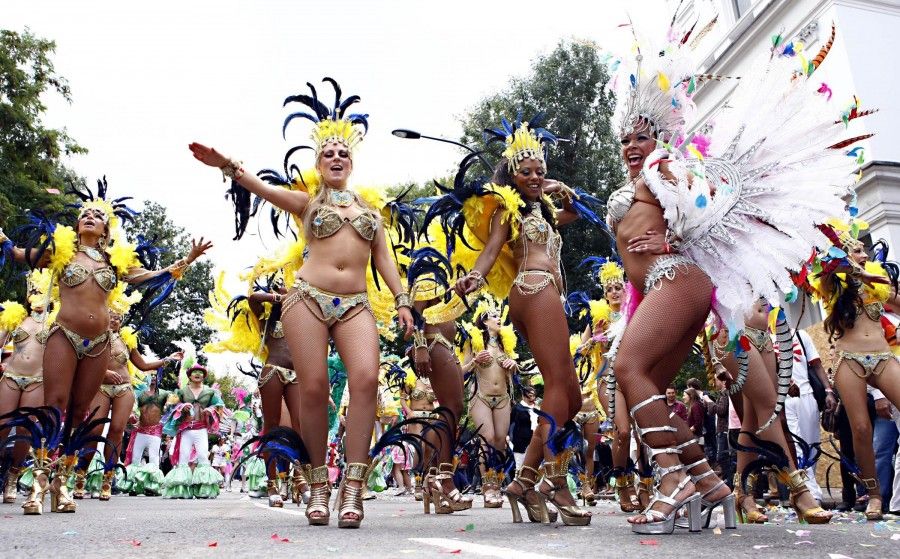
x: 147, y: 78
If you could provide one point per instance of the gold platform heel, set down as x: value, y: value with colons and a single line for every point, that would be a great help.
x: 625, y: 490
x: 319, y: 494
x: 873, y: 511
x: 796, y: 483
x: 419, y: 490
x: 349, y: 498
x: 299, y: 487
x: 106, y: 486
x: 60, y: 498
x: 754, y: 515
x: 454, y: 500
x: 34, y: 504
x: 490, y: 489
x: 11, y: 487
x: 537, y: 512
x: 555, y: 478
x: 80, y: 482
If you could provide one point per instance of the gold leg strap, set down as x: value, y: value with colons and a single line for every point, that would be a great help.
x: 356, y: 471
x: 316, y: 475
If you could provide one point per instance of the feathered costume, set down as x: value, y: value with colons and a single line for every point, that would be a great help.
x: 738, y: 186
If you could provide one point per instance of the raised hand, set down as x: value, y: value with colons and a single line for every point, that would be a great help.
x: 198, y: 249
x: 208, y: 155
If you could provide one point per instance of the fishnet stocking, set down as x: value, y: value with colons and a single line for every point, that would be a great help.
x: 656, y: 342
x: 446, y: 381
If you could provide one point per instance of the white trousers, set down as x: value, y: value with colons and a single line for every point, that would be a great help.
x: 194, y: 438
x: 150, y: 443
x: 803, y: 420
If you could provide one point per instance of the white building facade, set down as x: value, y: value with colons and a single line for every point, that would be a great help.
x: 861, y: 63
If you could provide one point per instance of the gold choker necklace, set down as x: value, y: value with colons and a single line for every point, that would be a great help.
x: 92, y: 253
x: 340, y: 198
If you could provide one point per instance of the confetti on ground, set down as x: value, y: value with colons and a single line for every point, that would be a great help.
x: 895, y: 537
x: 807, y: 542
x: 717, y: 531
x: 70, y: 533
x: 135, y: 543
x: 867, y: 544
x: 212, y: 544
x: 455, y: 551
x: 649, y: 542
x: 278, y: 538
x: 761, y: 546
x: 838, y: 556
x: 802, y: 533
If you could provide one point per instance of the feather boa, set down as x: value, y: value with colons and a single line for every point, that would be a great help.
x: 478, y: 211
x: 12, y: 315
x: 65, y: 244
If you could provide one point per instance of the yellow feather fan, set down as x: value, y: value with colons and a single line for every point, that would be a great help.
x: 118, y: 302
x: 241, y: 335
x: 287, y: 259
x: 601, y: 312
x: 12, y: 315
x: 122, y: 255
x: 129, y: 336
x: 871, y: 293
x: 508, y: 341
x: 478, y: 211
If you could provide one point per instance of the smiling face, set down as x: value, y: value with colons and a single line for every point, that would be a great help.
x: 335, y: 165
x: 115, y: 321
x: 529, y: 179
x: 197, y: 376
x: 636, y: 147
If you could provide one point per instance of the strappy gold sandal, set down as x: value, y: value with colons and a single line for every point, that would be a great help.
x: 60, y: 498
x: 12, y: 486
x: 748, y: 511
x: 275, y: 500
x: 873, y: 509
x: 537, y: 512
x: 106, y: 486
x: 419, y: 490
x: 624, y: 484
x: 319, y: 494
x: 349, y: 498
x: 796, y: 483
x: 80, y: 481
x: 555, y: 479
x: 34, y: 504
x: 490, y: 489
x: 444, y: 503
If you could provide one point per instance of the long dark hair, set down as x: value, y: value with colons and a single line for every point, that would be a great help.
x: 503, y: 177
x: 843, y: 313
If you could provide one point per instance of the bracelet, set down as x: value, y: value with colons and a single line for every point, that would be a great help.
x: 277, y: 298
x: 232, y: 170
x: 419, y: 340
x: 177, y: 269
x: 479, y: 279
x: 402, y: 299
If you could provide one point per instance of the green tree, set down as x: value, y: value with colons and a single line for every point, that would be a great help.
x: 181, y: 315
x: 31, y: 167
x: 569, y: 87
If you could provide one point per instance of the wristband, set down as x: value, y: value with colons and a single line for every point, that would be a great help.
x: 419, y: 340
x: 277, y: 298
x: 479, y: 279
x: 232, y: 170
x: 177, y: 269
x: 402, y: 299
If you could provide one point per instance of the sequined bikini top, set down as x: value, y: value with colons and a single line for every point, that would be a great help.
x: 118, y: 354
x: 419, y: 394
x: 19, y: 335
x: 327, y: 221
x: 536, y: 229
x: 75, y: 274
x: 619, y: 203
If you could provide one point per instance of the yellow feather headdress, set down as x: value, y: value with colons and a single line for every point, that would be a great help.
x: 12, y: 315
x: 523, y: 141
x: 330, y: 125
x: 611, y: 273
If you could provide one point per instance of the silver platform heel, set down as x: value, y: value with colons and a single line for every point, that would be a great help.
x: 728, y: 503
x: 658, y: 522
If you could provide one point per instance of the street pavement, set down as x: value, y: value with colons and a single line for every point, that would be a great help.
x: 236, y: 526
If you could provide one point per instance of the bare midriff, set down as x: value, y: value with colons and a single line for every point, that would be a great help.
x: 83, y: 307
x: 639, y: 219
x: 28, y: 358
x: 338, y: 263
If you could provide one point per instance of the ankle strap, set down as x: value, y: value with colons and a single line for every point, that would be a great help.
x: 355, y: 471
x: 870, y: 483
x: 521, y: 479
x: 316, y: 475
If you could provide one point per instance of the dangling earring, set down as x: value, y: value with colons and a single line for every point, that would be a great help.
x: 102, y: 242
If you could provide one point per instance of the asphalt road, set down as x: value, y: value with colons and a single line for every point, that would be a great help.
x: 235, y: 526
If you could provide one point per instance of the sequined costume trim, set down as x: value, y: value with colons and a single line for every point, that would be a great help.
x: 333, y: 306
x: 868, y: 361
x: 665, y: 267
x: 585, y: 417
x: 113, y: 391
x: 80, y: 344
x: 327, y: 221
x: 527, y: 288
x: 438, y: 338
x: 760, y: 339
x: 285, y: 375
x: 419, y: 394
x: 421, y: 413
x: 873, y: 310
x: 493, y: 401
x: 23, y: 383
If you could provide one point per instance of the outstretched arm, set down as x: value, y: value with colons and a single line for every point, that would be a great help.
x: 292, y: 201
x: 145, y: 365
x: 177, y: 268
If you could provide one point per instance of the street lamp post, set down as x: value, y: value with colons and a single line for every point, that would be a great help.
x: 413, y: 135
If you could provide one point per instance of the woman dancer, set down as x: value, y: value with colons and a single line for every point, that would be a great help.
x: 689, y: 224
x: 116, y: 396
x: 854, y: 291
x: 88, y: 262
x: 328, y: 300
x: 518, y: 226
x: 491, y: 352
x: 22, y: 381
x: 198, y: 409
